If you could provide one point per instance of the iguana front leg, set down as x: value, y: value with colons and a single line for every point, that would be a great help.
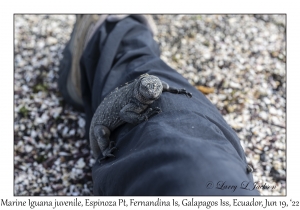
x: 106, y: 146
x: 151, y: 111
x: 135, y: 114
x: 108, y: 151
x: 167, y: 88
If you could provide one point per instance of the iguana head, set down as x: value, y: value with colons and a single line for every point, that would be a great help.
x: 150, y: 87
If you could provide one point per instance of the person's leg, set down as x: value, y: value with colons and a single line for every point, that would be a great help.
x: 188, y: 149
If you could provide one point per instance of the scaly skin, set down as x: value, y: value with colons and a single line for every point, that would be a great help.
x: 127, y: 104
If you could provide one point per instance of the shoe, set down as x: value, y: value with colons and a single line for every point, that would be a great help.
x: 69, y: 82
x: 144, y: 19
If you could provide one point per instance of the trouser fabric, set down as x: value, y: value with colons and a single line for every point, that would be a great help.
x: 188, y: 149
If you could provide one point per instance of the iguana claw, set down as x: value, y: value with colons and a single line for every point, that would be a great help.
x: 108, y: 152
x: 183, y: 91
x: 157, y: 110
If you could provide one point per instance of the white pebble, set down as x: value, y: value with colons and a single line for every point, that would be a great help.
x: 81, y: 122
x: 80, y: 163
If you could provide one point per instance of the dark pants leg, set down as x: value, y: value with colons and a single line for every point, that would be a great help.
x: 188, y: 149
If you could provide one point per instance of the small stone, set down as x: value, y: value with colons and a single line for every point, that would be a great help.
x: 72, y: 132
x: 80, y: 163
x: 81, y: 122
x: 65, y: 131
x: 28, y: 148
x: 234, y: 85
x: 273, y: 111
x: 22, y: 127
x: 51, y: 40
x: 56, y: 112
x: 263, y: 115
x: 33, y: 133
x: 230, y: 108
x: 64, y: 154
x: 266, y: 100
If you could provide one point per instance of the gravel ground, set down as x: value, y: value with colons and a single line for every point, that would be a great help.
x: 242, y: 57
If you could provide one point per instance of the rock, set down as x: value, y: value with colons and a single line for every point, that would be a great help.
x: 81, y: 122
x: 51, y: 40
x: 234, y: 85
x: 80, y: 163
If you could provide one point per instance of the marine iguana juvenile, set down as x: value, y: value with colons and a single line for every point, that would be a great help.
x: 128, y: 103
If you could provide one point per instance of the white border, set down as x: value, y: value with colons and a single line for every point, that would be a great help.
x: 187, y: 6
